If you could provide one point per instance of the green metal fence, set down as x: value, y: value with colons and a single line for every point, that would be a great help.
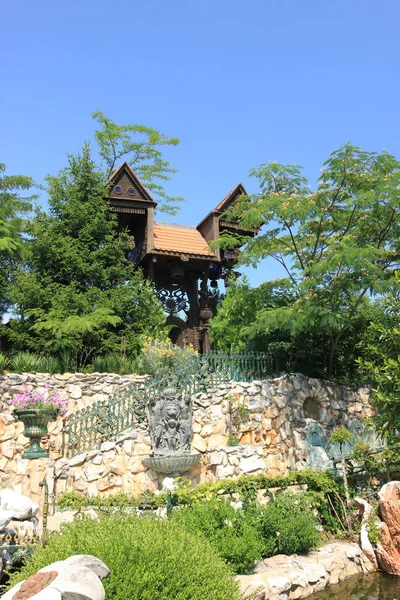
x: 104, y: 420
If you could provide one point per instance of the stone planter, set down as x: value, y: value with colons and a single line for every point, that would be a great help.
x: 173, y: 464
x: 35, y: 421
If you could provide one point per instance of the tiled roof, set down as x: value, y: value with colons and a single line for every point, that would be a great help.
x: 169, y: 237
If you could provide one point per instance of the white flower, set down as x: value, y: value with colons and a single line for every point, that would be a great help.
x: 319, y: 528
x: 169, y: 485
x: 76, y: 577
x: 161, y: 513
x: 237, y: 505
x: 228, y: 523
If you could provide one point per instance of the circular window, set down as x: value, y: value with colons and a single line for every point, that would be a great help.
x: 311, y: 408
x: 131, y: 191
x: 118, y: 189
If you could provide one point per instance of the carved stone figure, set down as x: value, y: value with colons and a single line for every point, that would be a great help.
x: 170, y: 423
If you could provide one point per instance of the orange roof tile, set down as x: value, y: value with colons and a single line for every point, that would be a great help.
x: 169, y: 237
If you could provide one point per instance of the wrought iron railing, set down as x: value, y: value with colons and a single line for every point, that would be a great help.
x: 106, y: 419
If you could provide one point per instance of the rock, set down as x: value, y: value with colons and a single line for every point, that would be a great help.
x: 107, y: 446
x: 92, y: 474
x: 206, y: 431
x: 278, y: 584
x: 5, y: 518
x: 79, y: 459
x: 314, y: 571
x: 365, y: 511
x: 388, y: 548
x: 199, y: 443
x: 8, y: 449
x: 20, y: 506
x: 216, y: 458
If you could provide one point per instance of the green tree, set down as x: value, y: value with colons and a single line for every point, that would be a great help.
x: 237, y: 328
x: 141, y: 147
x: 340, y: 436
x: 338, y: 244
x: 13, y: 208
x: 77, y: 292
x: 380, y: 364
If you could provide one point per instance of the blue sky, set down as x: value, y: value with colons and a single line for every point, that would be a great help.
x: 239, y: 82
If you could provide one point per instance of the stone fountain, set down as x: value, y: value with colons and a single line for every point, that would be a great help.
x: 170, y: 423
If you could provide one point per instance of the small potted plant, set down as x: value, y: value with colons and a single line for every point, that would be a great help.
x: 37, y: 409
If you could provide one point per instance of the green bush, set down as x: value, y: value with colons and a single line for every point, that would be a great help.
x: 158, y: 357
x: 231, y: 531
x: 25, y: 362
x: 288, y: 525
x: 113, y: 363
x: 324, y: 495
x: 3, y: 362
x: 49, y: 364
x: 148, y: 559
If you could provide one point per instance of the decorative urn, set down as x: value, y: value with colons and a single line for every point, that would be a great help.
x: 35, y: 421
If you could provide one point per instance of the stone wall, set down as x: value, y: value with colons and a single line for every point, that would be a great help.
x: 238, y: 428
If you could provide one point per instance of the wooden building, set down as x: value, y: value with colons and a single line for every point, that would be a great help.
x: 177, y: 258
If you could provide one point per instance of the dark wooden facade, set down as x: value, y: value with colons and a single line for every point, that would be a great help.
x: 176, y: 258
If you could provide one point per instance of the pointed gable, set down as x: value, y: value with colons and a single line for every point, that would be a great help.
x: 125, y: 185
x: 209, y: 226
x: 238, y: 190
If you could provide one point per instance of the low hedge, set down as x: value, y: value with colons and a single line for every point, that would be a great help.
x: 148, y: 559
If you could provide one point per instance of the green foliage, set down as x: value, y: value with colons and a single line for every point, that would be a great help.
x: 373, y: 527
x: 380, y: 365
x: 141, y: 147
x: 148, y: 560
x: 340, y: 436
x: 4, y: 361
x: 231, y: 531
x: 72, y: 500
x: 287, y: 525
x: 25, y: 362
x: 338, y: 244
x: 113, y: 363
x: 233, y: 441
x: 13, y: 209
x: 160, y: 356
x: 233, y: 327
x: 79, y: 296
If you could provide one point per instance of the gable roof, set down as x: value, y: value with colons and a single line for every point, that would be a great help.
x: 238, y: 190
x: 181, y: 239
x: 125, y: 170
x: 222, y: 206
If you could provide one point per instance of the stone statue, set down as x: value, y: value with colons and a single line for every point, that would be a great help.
x: 170, y: 423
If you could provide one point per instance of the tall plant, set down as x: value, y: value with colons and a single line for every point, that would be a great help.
x: 77, y: 293
x: 14, y: 206
x: 338, y: 243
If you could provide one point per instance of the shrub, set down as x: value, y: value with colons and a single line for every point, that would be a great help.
x: 25, y: 362
x: 3, y: 362
x: 230, y: 531
x: 49, y: 364
x: 113, y: 363
x: 163, y: 357
x: 288, y: 525
x: 149, y: 560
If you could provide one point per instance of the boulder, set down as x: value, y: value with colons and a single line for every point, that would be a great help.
x: 21, y: 507
x: 388, y: 547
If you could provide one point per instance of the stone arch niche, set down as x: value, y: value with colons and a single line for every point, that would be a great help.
x: 312, y: 408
